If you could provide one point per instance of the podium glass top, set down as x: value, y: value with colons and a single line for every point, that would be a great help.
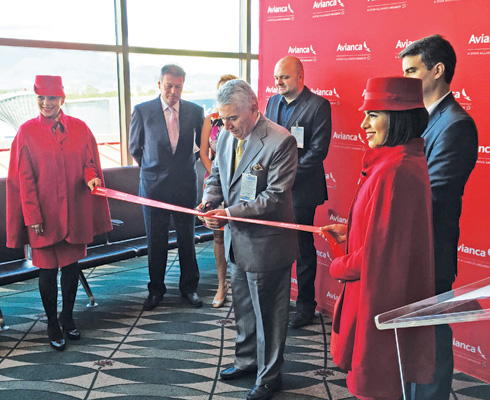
x: 464, y: 304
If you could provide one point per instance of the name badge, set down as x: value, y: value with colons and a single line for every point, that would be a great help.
x: 299, y: 133
x: 248, y: 189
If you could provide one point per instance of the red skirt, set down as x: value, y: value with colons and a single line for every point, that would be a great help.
x: 58, y: 255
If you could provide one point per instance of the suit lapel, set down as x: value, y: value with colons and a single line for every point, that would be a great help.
x: 299, y: 109
x: 160, y: 126
x: 183, y: 123
x: 275, y: 109
x: 254, y: 146
x: 229, y: 150
x: 437, y: 113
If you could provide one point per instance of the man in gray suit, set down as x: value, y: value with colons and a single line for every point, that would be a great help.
x: 307, y: 116
x: 254, y: 182
x: 162, y: 141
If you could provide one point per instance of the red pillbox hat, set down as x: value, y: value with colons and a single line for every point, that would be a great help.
x: 48, y: 85
x: 393, y: 94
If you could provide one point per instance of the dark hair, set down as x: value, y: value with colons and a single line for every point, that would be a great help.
x: 406, y: 125
x: 433, y: 49
x: 172, y: 69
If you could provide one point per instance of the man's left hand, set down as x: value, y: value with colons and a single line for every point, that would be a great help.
x: 214, y: 223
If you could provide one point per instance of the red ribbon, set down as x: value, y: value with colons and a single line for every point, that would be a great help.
x: 131, y: 198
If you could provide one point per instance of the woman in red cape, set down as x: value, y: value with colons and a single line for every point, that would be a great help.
x: 54, y: 164
x: 389, y: 260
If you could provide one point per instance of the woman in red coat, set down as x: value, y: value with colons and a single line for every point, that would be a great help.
x: 54, y: 164
x: 389, y: 261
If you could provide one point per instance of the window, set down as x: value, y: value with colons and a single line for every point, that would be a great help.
x: 202, y: 75
x: 87, y: 21
x: 187, y: 25
x: 77, y: 40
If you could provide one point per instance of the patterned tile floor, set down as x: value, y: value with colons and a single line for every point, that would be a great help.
x: 172, y: 352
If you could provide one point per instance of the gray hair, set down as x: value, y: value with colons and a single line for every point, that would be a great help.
x: 239, y: 93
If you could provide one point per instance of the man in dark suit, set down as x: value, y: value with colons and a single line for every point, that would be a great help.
x: 253, y: 173
x: 307, y: 116
x: 162, y: 141
x: 451, y: 149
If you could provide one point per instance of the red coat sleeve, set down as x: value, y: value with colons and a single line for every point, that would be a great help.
x: 28, y: 191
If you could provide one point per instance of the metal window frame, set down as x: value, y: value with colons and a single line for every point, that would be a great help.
x: 122, y: 51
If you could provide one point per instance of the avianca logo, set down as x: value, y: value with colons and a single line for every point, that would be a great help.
x: 332, y: 296
x: 338, y: 219
x: 403, y: 45
x: 326, y: 92
x: 353, y: 47
x: 343, y: 136
x: 479, y: 39
x: 329, y: 177
x: 468, y: 347
x: 484, y: 149
x: 470, y: 250
x: 271, y: 89
x: 301, y: 50
x: 325, y: 4
x: 276, y: 9
x: 458, y: 95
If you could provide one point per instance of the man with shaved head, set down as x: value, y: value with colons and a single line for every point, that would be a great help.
x: 307, y: 116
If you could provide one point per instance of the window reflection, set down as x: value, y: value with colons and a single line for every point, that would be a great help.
x: 187, y: 25
x: 87, y: 21
x: 90, y: 83
x: 202, y: 75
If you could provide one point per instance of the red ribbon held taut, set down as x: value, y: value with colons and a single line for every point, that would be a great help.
x: 131, y: 198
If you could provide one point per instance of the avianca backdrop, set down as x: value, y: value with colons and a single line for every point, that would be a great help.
x: 342, y: 43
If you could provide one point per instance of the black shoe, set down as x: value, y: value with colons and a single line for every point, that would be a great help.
x: 70, y: 329
x: 152, y: 301
x: 236, y: 373
x: 56, y: 339
x: 300, y: 319
x: 193, y: 298
x: 265, y: 391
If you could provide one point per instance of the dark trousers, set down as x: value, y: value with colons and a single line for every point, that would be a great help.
x: 157, y: 223
x: 440, y: 388
x: 306, y: 263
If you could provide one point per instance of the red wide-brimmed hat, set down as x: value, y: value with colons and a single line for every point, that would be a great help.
x: 393, y: 93
x: 48, y: 85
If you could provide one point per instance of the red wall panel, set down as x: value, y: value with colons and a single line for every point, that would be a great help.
x: 342, y: 43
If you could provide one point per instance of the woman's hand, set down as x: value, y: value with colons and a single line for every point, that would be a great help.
x: 38, y: 228
x: 338, y: 231
x: 93, y: 183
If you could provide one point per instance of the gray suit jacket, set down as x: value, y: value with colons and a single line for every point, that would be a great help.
x: 272, y: 150
x: 166, y: 176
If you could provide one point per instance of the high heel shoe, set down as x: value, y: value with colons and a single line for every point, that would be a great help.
x: 70, y: 330
x: 56, y: 339
x: 217, y: 302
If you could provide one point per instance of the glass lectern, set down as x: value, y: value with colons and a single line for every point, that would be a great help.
x: 464, y: 304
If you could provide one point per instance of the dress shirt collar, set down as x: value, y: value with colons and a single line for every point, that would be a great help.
x: 433, y: 106
x: 165, y: 105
